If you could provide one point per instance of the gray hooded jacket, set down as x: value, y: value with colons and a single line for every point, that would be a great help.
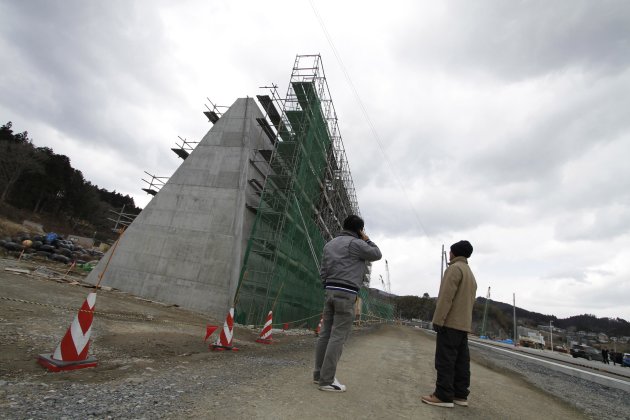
x: 343, y: 264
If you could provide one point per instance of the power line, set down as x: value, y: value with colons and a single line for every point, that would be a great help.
x: 366, y: 115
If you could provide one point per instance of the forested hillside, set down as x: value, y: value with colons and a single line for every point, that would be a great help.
x: 500, y: 317
x: 37, y: 183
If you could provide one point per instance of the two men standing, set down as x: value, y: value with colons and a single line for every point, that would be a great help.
x: 342, y: 270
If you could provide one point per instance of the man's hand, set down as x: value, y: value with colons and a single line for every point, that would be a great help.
x: 363, y: 236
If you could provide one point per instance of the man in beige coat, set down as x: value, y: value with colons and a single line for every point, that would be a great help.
x: 452, y: 322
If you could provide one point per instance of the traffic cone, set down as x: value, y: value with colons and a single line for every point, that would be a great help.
x: 72, y: 352
x: 224, y: 342
x: 265, y: 334
x: 319, y: 326
x: 210, y: 329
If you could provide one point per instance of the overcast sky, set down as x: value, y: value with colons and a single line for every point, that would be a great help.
x: 502, y: 122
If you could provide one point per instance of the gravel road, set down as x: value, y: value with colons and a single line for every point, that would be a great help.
x: 153, y: 363
x: 595, y: 400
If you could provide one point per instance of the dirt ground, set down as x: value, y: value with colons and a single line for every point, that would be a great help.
x: 386, y: 368
x: 386, y: 372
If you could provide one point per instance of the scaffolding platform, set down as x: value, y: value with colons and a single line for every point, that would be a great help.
x: 212, y: 116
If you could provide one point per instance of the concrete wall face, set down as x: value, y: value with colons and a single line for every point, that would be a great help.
x: 186, y: 247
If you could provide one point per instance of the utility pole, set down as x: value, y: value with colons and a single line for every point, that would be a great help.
x: 485, y: 314
x: 442, y: 264
x: 551, y: 334
x: 514, y: 313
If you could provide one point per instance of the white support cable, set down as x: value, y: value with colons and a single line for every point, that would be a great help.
x: 366, y: 115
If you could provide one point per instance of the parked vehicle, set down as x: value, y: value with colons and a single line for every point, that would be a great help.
x: 531, y: 343
x: 626, y: 359
x: 586, y: 352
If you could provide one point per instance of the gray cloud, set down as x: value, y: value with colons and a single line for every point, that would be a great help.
x: 516, y: 40
x: 505, y: 122
x: 85, y: 66
x: 576, y: 124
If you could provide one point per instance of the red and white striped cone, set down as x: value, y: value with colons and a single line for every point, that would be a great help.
x: 210, y: 329
x: 224, y: 342
x: 319, y: 326
x: 72, y: 352
x: 265, y: 334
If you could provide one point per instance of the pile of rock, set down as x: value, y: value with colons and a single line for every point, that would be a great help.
x: 50, y: 246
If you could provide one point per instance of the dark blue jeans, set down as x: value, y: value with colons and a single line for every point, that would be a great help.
x: 452, y: 362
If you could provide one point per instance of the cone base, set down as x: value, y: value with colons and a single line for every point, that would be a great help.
x: 54, y: 365
x: 264, y: 340
x: 216, y: 347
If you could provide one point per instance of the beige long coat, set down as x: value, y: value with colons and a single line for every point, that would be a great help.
x: 457, y: 296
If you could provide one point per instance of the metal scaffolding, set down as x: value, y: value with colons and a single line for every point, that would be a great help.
x: 307, y: 194
x: 155, y: 184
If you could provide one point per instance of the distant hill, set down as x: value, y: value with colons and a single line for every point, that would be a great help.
x: 40, y: 185
x: 500, y: 317
x: 500, y: 311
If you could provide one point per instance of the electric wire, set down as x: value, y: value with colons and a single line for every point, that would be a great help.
x: 371, y: 126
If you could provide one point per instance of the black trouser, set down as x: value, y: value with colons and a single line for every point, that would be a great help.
x: 452, y: 362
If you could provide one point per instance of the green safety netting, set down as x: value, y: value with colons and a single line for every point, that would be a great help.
x: 281, y: 263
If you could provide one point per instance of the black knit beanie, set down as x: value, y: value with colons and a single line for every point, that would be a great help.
x: 462, y: 249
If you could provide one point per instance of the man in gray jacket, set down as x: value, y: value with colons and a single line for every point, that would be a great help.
x: 342, y: 270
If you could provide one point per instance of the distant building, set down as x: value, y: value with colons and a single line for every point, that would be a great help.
x: 529, y: 337
x: 547, y: 327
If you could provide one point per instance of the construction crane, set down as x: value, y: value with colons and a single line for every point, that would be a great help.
x: 444, y: 263
x: 388, y: 284
x: 485, y: 315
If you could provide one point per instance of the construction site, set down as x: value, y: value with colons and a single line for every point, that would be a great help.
x: 243, y: 221
x: 234, y: 237
x: 153, y: 362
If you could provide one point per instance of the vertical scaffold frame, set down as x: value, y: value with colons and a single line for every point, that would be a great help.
x: 307, y: 194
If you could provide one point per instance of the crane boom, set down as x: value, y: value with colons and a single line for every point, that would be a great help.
x: 388, y: 285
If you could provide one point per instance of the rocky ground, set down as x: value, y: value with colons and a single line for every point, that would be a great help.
x: 153, y: 363
x: 594, y: 400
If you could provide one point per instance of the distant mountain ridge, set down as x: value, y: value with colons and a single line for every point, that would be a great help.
x: 615, y: 327
x: 500, y: 317
x: 40, y: 185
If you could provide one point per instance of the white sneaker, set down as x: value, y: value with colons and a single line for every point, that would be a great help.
x: 334, y: 387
